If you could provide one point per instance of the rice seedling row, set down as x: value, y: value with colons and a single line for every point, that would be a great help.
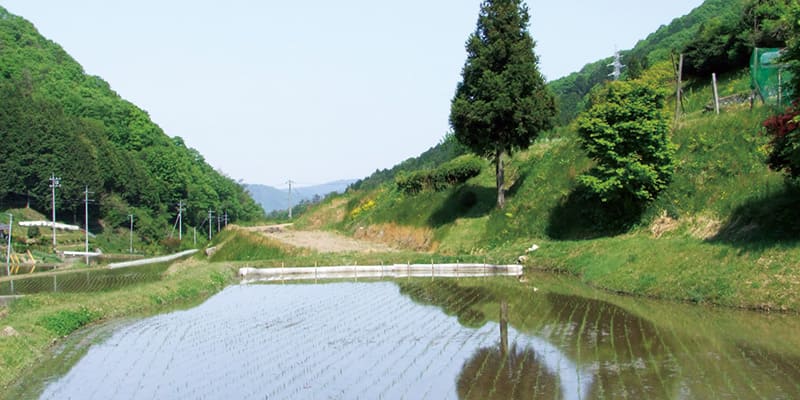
x: 430, y: 340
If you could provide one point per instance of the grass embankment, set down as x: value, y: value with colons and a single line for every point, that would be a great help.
x: 43, y: 319
x: 724, y: 232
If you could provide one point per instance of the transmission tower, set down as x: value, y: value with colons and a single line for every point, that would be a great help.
x: 618, y: 66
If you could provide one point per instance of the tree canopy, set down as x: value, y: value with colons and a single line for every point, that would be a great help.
x: 56, y: 119
x: 626, y: 134
x: 784, y: 154
x: 502, y: 102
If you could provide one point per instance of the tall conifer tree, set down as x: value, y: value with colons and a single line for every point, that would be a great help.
x: 501, y: 104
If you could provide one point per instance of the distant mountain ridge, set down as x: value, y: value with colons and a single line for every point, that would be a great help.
x: 271, y: 198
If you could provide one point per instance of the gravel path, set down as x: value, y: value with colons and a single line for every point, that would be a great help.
x: 321, y: 241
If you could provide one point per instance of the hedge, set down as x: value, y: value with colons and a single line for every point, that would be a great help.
x: 451, y: 173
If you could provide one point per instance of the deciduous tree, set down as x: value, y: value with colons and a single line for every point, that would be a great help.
x: 626, y: 134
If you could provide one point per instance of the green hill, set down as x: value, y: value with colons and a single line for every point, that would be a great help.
x: 722, y: 232
x: 57, y: 120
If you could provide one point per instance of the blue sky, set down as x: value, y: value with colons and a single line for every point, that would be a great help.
x: 313, y: 91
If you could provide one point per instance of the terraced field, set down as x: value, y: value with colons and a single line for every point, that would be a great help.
x: 439, y: 339
x: 82, y: 281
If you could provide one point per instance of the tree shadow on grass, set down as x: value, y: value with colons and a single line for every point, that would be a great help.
x: 583, y: 216
x: 512, y: 191
x: 767, y: 222
x: 468, y: 201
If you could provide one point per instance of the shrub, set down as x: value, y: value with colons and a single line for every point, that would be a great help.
x: 34, y: 232
x: 459, y: 170
x: 451, y: 173
x: 411, y: 183
x: 64, y: 322
x: 171, y: 244
x: 626, y: 134
x: 785, y: 146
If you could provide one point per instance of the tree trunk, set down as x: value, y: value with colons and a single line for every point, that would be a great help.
x: 501, y: 179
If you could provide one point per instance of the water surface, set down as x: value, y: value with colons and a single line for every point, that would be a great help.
x: 440, y: 339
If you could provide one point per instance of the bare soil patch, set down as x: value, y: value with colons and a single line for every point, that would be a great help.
x: 321, y: 241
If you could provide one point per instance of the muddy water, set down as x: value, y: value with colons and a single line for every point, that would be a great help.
x: 439, y: 339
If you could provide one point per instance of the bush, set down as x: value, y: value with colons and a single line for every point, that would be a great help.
x: 171, y: 244
x: 413, y: 182
x: 34, y: 232
x: 459, y: 170
x: 451, y: 173
x: 64, y: 322
x: 626, y: 134
x: 785, y: 146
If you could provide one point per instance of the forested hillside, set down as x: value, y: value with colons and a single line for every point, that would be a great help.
x: 717, y: 36
x: 55, y: 119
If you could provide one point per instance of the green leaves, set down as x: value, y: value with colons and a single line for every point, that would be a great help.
x: 502, y: 103
x: 626, y: 134
x: 56, y: 119
x: 451, y: 173
x: 64, y: 322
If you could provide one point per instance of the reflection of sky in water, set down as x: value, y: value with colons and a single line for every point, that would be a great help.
x: 299, y: 341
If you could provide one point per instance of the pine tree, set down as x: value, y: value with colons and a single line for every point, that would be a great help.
x: 502, y: 103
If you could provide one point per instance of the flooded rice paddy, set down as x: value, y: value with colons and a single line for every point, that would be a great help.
x: 440, y: 339
x: 82, y: 281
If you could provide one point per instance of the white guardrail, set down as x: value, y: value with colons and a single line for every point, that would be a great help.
x: 251, y: 275
x: 154, y: 260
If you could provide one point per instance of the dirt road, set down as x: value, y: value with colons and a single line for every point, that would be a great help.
x: 323, y: 242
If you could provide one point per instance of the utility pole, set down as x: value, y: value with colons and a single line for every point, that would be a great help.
x: 290, y: 182
x: 210, y: 215
x: 679, y: 87
x: 131, y: 240
x: 86, y: 221
x: 716, y: 92
x: 180, y: 220
x: 226, y: 218
x: 8, y: 249
x: 54, y: 183
x: 219, y: 219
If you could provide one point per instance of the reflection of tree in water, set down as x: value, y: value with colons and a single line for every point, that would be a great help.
x: 491, y: 374
x: 501, y: 372
x: 453, y: 299
x: 628, y: 354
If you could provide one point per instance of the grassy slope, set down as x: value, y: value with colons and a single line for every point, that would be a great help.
x: 720, y: 233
